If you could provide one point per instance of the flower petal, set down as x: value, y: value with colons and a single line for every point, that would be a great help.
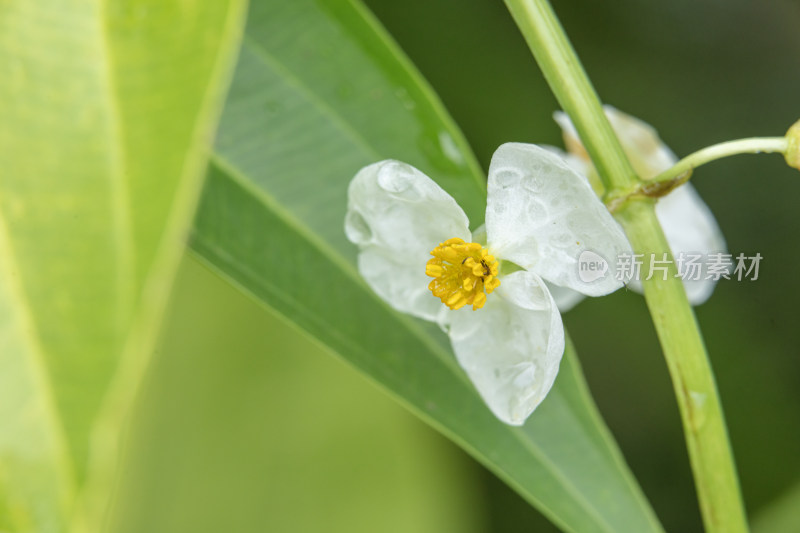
x: 565, y: 298
x: 646, y: 151
x: 397, y: 215
x: 576, y: 163
x: 689, y: 225
x: 511, y: 348
x: 544, y: 216
x: 402, y: 284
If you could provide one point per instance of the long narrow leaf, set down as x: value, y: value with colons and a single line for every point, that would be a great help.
x: 320, y: 91
x: 106, y: 111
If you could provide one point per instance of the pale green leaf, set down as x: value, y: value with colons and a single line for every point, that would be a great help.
x: 106, y: 111
x: 216, y: 447
x: 780, y: 516
x: 320, y: 91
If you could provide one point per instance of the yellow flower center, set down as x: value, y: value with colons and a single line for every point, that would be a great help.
x: 462, y: 271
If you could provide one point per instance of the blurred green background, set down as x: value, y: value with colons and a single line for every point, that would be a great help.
x: 245, y: 425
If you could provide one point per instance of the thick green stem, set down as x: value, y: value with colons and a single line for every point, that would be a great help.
x: 678, y: 332
x: 692, y: 377
x: 754, y: 145
x: 568, y: 80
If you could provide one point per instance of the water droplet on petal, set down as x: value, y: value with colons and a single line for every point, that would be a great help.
x: 533, y: 183
x: 357, y: 229
x: 398, y: 179
x: 537, y: 211
x: 507, y: 177
x: 525, y: 376
x: 563, y: 239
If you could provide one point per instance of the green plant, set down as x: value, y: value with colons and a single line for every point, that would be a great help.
x: 107, y: 114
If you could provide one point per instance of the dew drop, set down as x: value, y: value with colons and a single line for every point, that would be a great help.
x: 699, y: 409
x: 563, y: 239
x: 537, y: 211
x: 533, y: 183
x: 507, y: 177
x: 357, y: 229
x: 525, y: 377
x: 398, y: 179
x: 450, y: 149
x: 405, y: 98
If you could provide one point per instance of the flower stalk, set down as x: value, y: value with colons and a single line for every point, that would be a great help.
x: 692, y: 378
x: 678, y: 174
x: 701, y: 412
x: 754, y: 145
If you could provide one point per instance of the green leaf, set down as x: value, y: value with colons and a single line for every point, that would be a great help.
x: 781, y: 515
x: 106, y: 111
x: 319, y: 92
x: 216, y: 448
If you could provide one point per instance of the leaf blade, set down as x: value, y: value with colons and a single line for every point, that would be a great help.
x: 106, y: 113
x: 317, y: 95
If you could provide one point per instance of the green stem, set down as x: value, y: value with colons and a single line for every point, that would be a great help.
x: 700, y: 408
x: 692, y: 377
x: 754, y: 145
x: 575, y: 94
x: 680, y: 172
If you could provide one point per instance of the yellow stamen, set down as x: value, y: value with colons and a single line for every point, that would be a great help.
x: 462, y: 271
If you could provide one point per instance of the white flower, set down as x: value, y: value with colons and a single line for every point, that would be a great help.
x: 688, y: 224
x: 540, y: 216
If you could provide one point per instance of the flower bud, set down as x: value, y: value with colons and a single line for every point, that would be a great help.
x: 793, y: 149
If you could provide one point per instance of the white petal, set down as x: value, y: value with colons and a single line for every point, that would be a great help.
x: 565, y: 298
x: 403, y: 284
x: 544, y: 216
x: 397, y: 215
x: 511, y: 348
x: 687, y: 221
x: 578, y: 164
x: 646, y: 151
x: 567, y: 127
x: 690, y: 227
